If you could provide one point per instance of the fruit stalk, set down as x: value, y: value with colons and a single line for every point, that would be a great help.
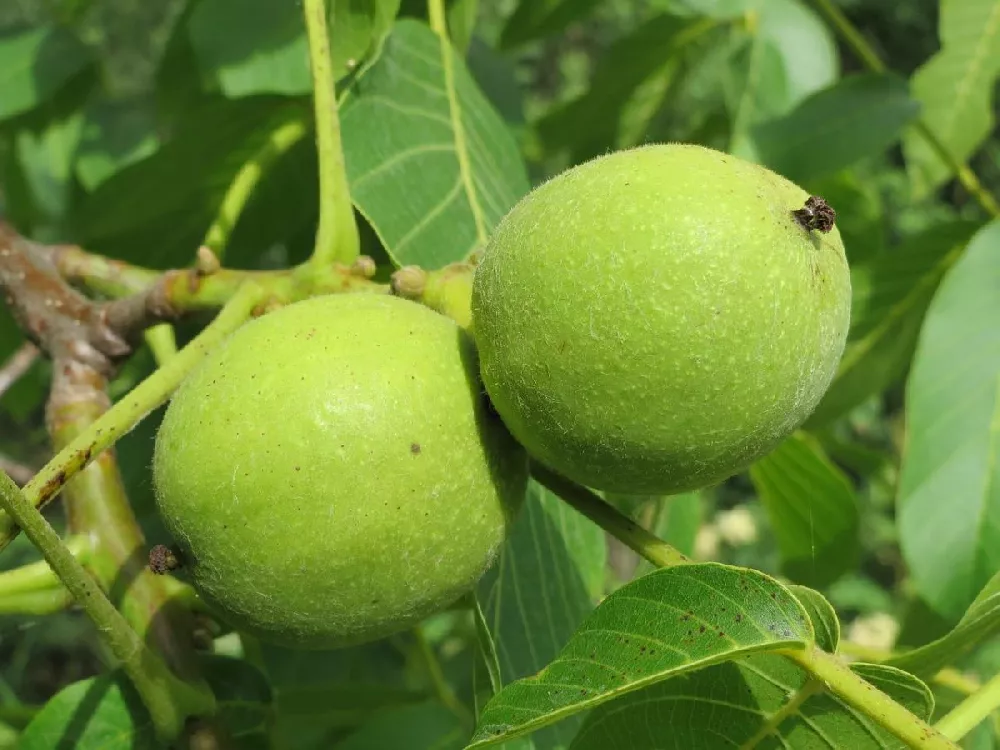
x: 169, y: 700
x: 648, y: 545
x: 337, y: 236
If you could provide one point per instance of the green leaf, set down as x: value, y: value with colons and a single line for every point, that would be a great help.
x: 102, y: 713
x: 430, y: 163
x: 496, y: 76
x: 890, y: 298
x: 790, y: 55
x: 756, y: 701
x: 629, y: 87
x: 812, y: 509
x: 156, y: 211
x: 115, y: 134
x: 547, y: 580
x: 106, y: 713
x: 534, y: 19
x: 428, y: 726
x: 980, y: 623
x: 270, y: 54
x: 859, y: 116
x: 805, y: 45
x: 462, y: 22
x: 243, y: 694
x: 317, y: 692
x: 47, y: 159
x: 949, y: 487
x: 825, y: 623
x: 667, y: 623
x: 35, y: 64
x: 955, y: 90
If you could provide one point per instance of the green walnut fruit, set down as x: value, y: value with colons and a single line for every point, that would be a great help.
x: 334, y: 474
x: 656, y: 319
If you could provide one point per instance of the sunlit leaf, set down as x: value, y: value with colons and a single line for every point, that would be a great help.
x: 35, y: 64
x: 826, y: 625
x: 102, y: 713
x: 955, y: 89
x: 760, y: 701
x: 949, y: 492
x: 106, y: 713
x: 859, y: 116
x: 890, y: 297
x: 547, y: 580
x: 789, y: 55
x: 667, y: 623
x: 812, y: 509
x: 430, y: 163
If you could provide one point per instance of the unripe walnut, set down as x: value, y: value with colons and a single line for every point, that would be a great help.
x: 656, y: 319
x: 333, y: 474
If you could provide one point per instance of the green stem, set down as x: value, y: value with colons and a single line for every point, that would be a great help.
x: 34, y: 589
x: 280, y: 140
x: 436, y: 675
x: 337, y: 237
x: 856, y: 692
x: 125, y: 414
x: 967, y: 715
x: 162, y: 342
x: 608, y: 518
x: 36, y: 603
x: 867, y: 54
x: 169, y: 700
x: 38, y: 576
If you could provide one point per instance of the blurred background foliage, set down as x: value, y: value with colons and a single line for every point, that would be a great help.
x: 152, y: 107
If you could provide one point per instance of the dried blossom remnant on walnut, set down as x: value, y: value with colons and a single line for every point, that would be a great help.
x: 816, y: 214
x: 162, y: 559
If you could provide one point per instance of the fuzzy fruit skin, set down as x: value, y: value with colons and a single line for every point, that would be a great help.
x: 333, y: 474
x: 656, y: 319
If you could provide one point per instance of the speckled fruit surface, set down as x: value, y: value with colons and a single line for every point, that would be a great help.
x: 333, y: 474
x: 656, y: 319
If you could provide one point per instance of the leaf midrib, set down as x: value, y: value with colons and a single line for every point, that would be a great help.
x: 461, y: 147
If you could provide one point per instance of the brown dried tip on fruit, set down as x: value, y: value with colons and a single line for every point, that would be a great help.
x: 162, y: 559
x: 816, y: 214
